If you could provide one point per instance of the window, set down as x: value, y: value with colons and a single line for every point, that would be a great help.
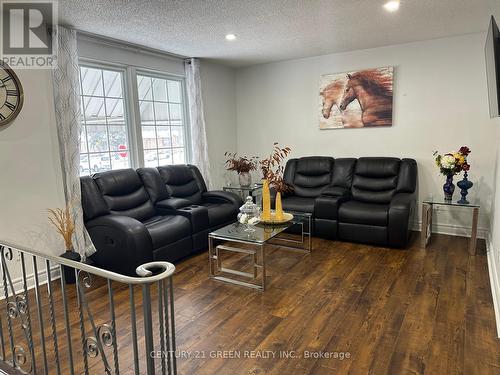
x: 162, y: 125
x: 104, y: 137
x: 155, y: 132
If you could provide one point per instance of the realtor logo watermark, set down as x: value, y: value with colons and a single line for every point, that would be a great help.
x: 27, y: 41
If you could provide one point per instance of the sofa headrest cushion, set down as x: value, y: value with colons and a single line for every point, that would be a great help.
x: 377, y: 167
x: 313, y: 166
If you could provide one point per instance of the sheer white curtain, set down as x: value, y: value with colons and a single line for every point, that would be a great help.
x: 67, y: 107
x: 199, y: 147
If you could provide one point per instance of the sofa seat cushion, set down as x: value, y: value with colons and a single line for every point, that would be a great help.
x: 364, y: 213
x: 220, y: 213
x: 298, y: 204
x: 168, y: 229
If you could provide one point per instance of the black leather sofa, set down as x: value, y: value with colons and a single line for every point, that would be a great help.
x: 370, y: 200
x: 134, y: 217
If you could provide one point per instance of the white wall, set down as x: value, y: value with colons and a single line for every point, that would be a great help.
x: 31, y: 170
x: 218, y: 84
x: 440, y: 103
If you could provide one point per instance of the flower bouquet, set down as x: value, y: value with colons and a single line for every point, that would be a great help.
x: 451, y: 164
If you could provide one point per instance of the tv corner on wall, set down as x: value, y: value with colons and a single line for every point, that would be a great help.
x: 492, y: 51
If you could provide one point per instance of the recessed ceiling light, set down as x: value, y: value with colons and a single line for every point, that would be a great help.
x: 392, y: 5
x: 230, y: 37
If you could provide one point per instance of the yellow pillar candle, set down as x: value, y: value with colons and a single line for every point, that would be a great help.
x: 279, y: 207
x: 266, y: 201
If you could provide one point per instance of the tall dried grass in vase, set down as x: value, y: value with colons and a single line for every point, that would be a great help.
x: 62, y: 220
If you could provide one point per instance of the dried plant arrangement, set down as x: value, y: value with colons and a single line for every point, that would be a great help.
x: 274, y: 160
x: 277, y: 182
x: 64, y: 224
x: 240, y: 164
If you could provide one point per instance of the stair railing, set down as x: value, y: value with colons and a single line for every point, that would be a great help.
x: 104, y: 323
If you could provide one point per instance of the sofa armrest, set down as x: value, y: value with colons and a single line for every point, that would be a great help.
x: 401, y: 211
x: 173, y: 204
x: 219, y: 196
x: 122, y: 243
x: 336, y: 191
x: 327, y: 206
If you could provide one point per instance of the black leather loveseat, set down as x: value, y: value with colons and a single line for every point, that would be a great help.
x: 134, y: 217
x: 369, y: 200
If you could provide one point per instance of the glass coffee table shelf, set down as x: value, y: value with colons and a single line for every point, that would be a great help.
x: 427, y: 208
x: 235, y: 238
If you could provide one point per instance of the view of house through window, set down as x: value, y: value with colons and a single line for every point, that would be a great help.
x: 162, y: 125
x: 106, y: 126
x: 104, y: 141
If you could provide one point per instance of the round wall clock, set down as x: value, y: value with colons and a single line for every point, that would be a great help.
x: 11, y: 95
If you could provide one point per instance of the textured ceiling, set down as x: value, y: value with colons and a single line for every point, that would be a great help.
x: 272, y: 30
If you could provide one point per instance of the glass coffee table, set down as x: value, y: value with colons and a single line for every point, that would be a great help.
x: 234, y: 238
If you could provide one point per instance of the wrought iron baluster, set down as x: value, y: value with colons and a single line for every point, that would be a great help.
x: 162, y: 332
x: 167, y: 326
x: 93, y: 345
x: 40, y: 314
x: 1, y: 323
x: 148, y: 328
x: 172, y: 323
x: 17, y: 310
x: 82, y: 323
x: 28, y: 317
x: 50, y: 293
x: 8, y: 303
x: 113, y: 326
x: 66, y: 319
x: 134, y: 329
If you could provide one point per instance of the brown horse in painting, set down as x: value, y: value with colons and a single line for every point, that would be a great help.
x: 373, y: 90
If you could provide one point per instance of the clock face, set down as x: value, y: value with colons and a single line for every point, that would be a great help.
x: 11, y: 95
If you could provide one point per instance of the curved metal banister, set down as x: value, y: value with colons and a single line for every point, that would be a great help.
x: 146, y: 276
x: 28, y: 308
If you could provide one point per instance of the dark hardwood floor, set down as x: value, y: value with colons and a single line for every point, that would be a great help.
x: 391, y: 311
x: 345, y: 308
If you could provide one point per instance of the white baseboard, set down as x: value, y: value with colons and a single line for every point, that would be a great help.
x: 494, y: 281
x: 30, y: 281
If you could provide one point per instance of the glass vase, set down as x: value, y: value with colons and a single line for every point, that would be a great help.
x: 245, y: 179
x: 448, y: 188
x: 464, y: 186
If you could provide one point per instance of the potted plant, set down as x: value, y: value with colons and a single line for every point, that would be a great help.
x: 64, y: 223
x: 451, y: 164
x: 267, y: 165
x: 241, y: 165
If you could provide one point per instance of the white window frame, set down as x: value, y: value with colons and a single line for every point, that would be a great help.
x: 131, y: 108
x: 185, y: 117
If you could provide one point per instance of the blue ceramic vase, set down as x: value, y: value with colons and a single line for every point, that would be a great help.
x: 448, y: 188
x: 464, y: 186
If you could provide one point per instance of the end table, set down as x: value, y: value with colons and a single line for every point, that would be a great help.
x: 254, y: 191
x: 427, y: 206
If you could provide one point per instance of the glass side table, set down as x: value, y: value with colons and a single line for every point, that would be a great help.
x: 427, y: 206
x: 254, y: 191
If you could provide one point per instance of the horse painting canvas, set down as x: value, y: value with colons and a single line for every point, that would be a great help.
x: 356, y: 99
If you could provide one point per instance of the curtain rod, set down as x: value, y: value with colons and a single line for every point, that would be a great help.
x: 131, y: 46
